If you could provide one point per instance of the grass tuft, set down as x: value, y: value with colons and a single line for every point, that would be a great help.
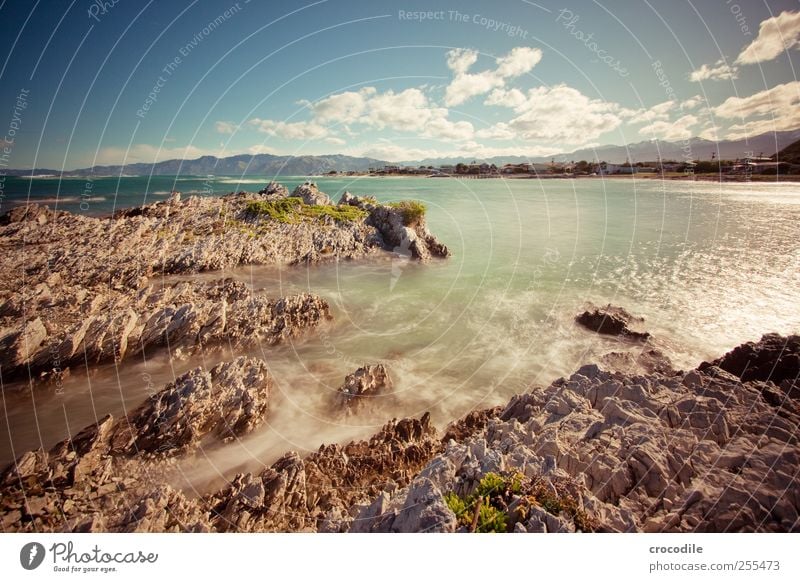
x: 412, y: 211
x: 294, y: 210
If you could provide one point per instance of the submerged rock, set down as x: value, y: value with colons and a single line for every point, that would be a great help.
x: 610, y: 320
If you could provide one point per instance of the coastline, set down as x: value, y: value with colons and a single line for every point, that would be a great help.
x: 626, y: 445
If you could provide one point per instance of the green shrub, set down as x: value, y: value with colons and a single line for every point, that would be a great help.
x: 412, y: 211
x: 294, y: 210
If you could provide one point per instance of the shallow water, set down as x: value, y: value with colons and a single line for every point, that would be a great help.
x: 708, y: 265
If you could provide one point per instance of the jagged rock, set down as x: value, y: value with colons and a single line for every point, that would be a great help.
x: 366, y: 382
x: 610, y: 320
x: 773, y: 357
x: 413, y: 241
x: 86, y: 280
x: 311, y: 194
x: 275, y: 190
x: 227, y: 401
x: 192, y: 316
x: 33, y: 213
x: 645, y: 361
x: 597, y: 451
x: 420, y: 508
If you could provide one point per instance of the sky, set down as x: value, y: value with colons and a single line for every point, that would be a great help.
x: 91, y: 82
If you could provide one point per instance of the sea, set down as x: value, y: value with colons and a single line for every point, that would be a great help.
x: 708, y: 265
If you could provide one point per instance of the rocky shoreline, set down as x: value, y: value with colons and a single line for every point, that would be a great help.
x: 627, y: 445
x: 702, y: 450
x: 76, y: 289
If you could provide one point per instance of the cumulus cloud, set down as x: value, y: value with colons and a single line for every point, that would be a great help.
x: 394, y: 152
x: 343, y: 107
x: 692, y: 102
x: 775, y: 35
x: 719, y: 71
x: 225, y: 127
x: 670, y: 130
x: 295, y: 130
x: 560, y: 113
x: 464, y: 85
x: 658, y: 112
x: 460, y: 60
x: 409, y: 110
x: 774, y: 109
x: 499, y: 130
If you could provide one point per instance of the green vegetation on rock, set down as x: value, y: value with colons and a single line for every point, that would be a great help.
x: 412, y: 211
x: 294, y: 210
x: 495, y: 493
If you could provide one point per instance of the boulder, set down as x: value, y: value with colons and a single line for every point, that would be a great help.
x: 366, y: 382
x: 610, y: 320
x: 312, y: 195
x: 774, y: 357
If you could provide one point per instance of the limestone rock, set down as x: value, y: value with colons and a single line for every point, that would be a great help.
x: 610, y: 320
x: 365, y: 383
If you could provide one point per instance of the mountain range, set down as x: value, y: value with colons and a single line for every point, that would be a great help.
x: 696, y: 148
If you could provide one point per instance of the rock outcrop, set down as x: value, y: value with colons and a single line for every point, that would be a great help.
x: 77, y: 288
x: 112, y: 476
x: 311, y: 194
x: 113, y: 325
x: 363, y: 384
x: 774, y: 357
x: 610, y: 320
x: 225, y: 402
x: 598, y: 451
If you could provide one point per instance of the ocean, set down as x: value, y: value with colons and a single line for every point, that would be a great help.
x: 707, y: 265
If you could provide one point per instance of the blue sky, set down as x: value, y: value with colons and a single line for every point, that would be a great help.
x: 137, y: 81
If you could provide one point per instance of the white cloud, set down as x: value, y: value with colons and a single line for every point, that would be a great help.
x: 693, y: 102
x: 563, y: 114
x: 465, y: 85
x: 719, y: 71
x: 775, y: 101
x: 670, y: 130
x: 335, y: 141
x: 442, y: 128
x: 499, y: 130
x: 296, y: 130
x: 779, y: 108
x: 658, y: 112
x: 460, y: 60
x: 407, y: 109
x: 343, y: 107
x: 775, y: 35
x: 506, y: 97
x: 225, y: 127
x: 393, y: 152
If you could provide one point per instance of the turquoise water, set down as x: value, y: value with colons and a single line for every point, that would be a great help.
x: 708, y: 265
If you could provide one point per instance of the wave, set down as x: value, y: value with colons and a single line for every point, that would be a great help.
x: 242, y: 181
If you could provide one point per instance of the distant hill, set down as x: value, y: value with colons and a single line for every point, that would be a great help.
x: 651, y: 150
x: 270, y: 165
x: 240, y: 165
x: 790, y: 153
